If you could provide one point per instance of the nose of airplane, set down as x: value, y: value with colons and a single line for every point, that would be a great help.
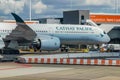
x: 106, y: 39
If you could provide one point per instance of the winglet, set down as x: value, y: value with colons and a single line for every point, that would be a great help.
x: 17, y: 18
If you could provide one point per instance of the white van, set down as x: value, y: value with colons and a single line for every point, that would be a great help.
x: 114, y: 47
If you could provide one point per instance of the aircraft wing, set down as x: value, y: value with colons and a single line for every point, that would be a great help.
x: 22, y: 32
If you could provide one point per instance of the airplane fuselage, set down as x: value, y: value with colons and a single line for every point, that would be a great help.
x: 68, y: 34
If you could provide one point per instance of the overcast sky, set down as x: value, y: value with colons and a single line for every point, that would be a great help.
x: 54, y: 8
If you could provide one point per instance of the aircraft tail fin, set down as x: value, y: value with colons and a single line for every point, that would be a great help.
x: 17, y: 18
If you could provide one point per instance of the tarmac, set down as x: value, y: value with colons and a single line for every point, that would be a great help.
x: 15, y: 71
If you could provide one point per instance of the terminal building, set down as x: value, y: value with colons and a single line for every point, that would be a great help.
x: 75, y: 17
x: 49, y: 20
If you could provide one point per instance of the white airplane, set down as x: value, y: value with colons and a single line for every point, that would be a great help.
x: 49, y: 36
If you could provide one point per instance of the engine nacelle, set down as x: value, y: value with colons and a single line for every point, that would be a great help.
x: 49, y: 43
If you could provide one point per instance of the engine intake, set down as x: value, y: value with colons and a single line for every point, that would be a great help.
x: 50, y: 43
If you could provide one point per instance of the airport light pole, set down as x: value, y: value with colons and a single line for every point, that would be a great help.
x: 71, y: 4
x: 116, y: 6
x: 15, y: 6
x: 30, y: 10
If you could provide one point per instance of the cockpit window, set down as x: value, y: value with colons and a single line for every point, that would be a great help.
x: 104, y: 32
x: 88, y: 24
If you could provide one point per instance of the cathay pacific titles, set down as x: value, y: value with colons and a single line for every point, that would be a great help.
x: 74, y: 28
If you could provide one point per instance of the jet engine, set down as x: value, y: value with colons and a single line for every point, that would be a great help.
x: 48, y: 43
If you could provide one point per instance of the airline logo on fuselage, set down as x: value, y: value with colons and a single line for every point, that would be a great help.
x: 74, y: 28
